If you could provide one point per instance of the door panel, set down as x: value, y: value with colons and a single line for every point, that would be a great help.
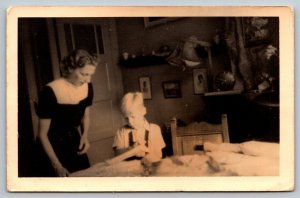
x: 101, y: 83
x: 100, y: 150
x: 85, y: 36
x: 101, y: 124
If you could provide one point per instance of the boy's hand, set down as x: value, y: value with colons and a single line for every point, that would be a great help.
x: 142, y: 150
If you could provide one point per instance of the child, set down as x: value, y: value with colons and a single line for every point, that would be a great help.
x: 138, y: 131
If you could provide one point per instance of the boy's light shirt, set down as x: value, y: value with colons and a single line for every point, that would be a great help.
x: 139, y: 134
x: 155, y: 141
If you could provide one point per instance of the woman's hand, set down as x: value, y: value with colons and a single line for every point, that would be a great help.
x: 60, y: 171
x: 84, y: 145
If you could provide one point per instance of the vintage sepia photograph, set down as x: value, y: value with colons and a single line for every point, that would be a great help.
x: 171, y: 89
x: 200, y: 81
x: 139, y: 99
x: 145, y: 87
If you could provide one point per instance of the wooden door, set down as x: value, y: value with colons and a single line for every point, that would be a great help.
x: 97, y: 35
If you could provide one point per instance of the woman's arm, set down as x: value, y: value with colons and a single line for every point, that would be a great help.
x: 44, y: 125
x: 84, y: 144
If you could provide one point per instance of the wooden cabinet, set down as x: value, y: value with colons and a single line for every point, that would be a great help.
x: 250, y: 117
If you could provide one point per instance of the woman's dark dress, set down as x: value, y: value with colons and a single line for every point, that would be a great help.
x: 63, y: 134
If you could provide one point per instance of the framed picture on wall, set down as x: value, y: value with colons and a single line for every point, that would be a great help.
x: 200, y: 80
x: 153, y: 21
x: 171, y: 89
x: 256, y: 30
x: 145, y: 87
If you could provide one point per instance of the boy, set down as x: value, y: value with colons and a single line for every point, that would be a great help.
x: 138, y: 131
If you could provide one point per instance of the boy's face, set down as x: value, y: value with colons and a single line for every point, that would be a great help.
x: 135, y: 120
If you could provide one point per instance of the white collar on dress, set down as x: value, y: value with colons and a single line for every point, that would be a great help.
x: 67, y: 93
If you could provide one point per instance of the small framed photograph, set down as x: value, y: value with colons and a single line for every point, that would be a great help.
x: 200, y: 81
x: 154, y: 21
x: 172, y: 89
x: 257, y: 30
x: 145, y: 87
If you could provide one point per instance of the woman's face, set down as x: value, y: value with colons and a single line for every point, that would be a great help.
x: 82, y: 75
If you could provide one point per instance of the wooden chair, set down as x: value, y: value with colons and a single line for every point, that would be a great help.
x: 190, y: 139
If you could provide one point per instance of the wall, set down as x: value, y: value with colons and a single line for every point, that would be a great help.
x: 135, y: 39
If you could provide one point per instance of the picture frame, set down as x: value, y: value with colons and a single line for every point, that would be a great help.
x: 256, y: 30
x: 145, y: 87
x: 200, y: 81
x: 154, y: 21
x: 172, y: 89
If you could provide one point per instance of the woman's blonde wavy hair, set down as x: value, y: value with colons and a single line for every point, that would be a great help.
x: 77, y: 59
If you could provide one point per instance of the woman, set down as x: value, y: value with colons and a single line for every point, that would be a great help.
x: 63, y: 112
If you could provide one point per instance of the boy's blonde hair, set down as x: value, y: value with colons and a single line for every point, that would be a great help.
x: 133, y: 102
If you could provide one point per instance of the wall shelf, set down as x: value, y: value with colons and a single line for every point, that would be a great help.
x: 142, y: 61
x: 223, y: 93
